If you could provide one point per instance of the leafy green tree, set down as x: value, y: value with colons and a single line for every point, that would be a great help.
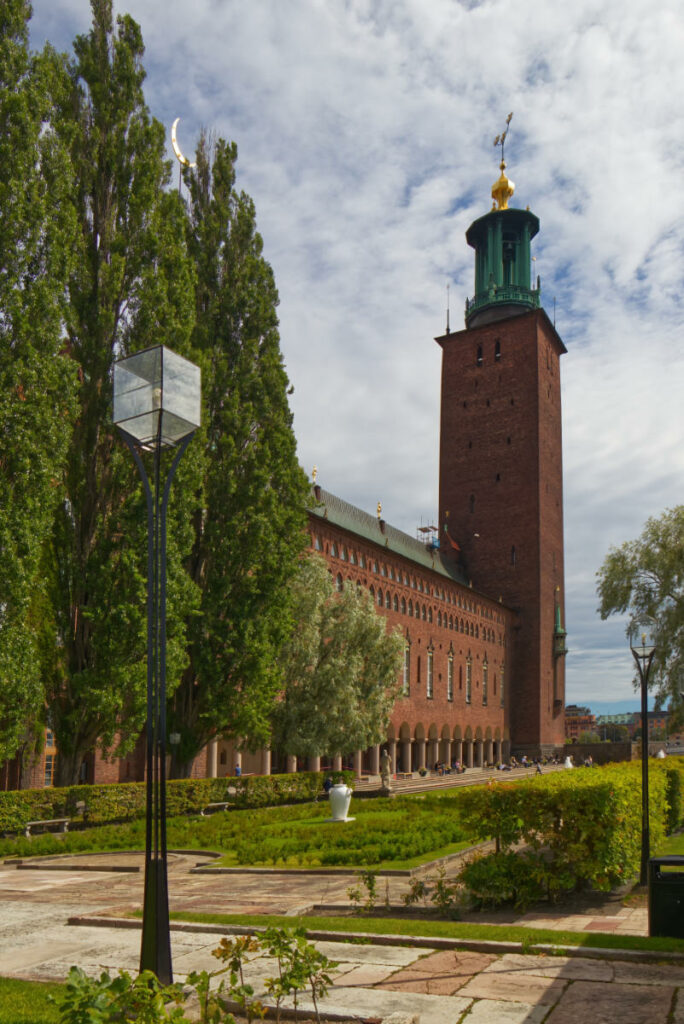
x: 340, y: 666
x: 646, y: 577
x: 37, y: 382
x: 130, y: 287
x: 249, y: 522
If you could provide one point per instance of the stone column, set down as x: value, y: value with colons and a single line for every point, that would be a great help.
x: 237, y: 762
x: 421, y: 753
x: 375, y: 760
x: 392, y: 751
x: 290, y: 764
x: 212, y: 759
x: 314, y: 764
x: 358, y: 763
x: 478, y: 753
x: 489, y: 751
x: 446, y: 753
x: 265, y: 761
x: 337, y: 763
x: 469, y: 753
x: 406, y: 765
x: 457, y: 751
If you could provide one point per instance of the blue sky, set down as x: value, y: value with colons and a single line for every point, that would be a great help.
x: 365, y: 132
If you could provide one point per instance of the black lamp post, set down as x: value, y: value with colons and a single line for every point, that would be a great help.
x: 642, y: 641
x: 157, y: 397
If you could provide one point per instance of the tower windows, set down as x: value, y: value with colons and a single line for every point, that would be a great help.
x: 395, y: 603
x: 469, y: 680
x: 429, y: 693
x: 406, y: 681
x: 479, y: 359
x: 514, y: 555
x: 450, y: 675
x: 472, y: 502
x: 485, y: 680
x: 497, y: 350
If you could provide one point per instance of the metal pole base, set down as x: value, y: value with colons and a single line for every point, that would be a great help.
x: 155, y: 950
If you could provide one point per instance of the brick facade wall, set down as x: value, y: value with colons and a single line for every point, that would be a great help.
x: 501, y: 495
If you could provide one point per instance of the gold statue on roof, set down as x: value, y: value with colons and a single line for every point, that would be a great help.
x: 503, y: 188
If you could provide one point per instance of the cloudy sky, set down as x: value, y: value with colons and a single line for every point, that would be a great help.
x: 365, y: 132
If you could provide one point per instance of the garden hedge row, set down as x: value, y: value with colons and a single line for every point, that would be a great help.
x: 567, y: 831
x: 100, y: 805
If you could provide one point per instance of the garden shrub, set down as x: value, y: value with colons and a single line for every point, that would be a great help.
x: 579, y: 829
x: 126, y: 801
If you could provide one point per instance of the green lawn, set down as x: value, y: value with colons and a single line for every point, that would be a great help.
x: 402, y: 927
x: 28, y: 1002
x: 673, y: 846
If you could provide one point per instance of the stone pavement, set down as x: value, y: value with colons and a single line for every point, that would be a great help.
x: 451, y: 985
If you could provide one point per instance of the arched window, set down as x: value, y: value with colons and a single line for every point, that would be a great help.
x: 479, y: 355
x: 485, y: 680
x: 429, y: 614
x: 410, y: 608
x: 497, y: 350
x: 395, y: 603
x: 362, y: 561
x: 450, y: 675
x: 388, y: 600
x: 343, y: 555
x: 451, y: 622
x: 381, y: 598
x: 339, y: 582
x: 371, y: 591
x: 333, y: 550
x: 439, y: 618
x: 423, y: 613
x: 469, y: 680
x: 403, y: 606
x: 352, y: 557
x: 317, y: 543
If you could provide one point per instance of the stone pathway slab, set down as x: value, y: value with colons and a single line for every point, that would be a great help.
x: 595, y: 1003
x: 488, y: 1011
x: 577, y: 968
x: 515, y: 988
x: 375, y: 1002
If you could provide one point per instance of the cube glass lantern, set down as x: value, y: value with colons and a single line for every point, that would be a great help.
x: 157, y: 397
x: 642, y: 634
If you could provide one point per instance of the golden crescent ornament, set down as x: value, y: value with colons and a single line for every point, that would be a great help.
x: 176, y: 148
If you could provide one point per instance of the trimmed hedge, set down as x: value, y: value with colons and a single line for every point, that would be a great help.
x: 577, y: 829
x: 126, y: 801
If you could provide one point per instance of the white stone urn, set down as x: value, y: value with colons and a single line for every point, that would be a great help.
x: 340, y: 796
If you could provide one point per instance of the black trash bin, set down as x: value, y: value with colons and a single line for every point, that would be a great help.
x: 666, y: 897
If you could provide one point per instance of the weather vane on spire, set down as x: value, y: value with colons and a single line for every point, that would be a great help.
x: 502, y: 190
x: 501, y: 139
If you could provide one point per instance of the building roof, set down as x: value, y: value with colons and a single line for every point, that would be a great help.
x: 340, y: 513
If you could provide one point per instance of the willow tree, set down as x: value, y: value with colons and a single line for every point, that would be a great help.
x: 249, y: 526
x: 131, y: 286
x: 37, y: 382
x: 340, y: 669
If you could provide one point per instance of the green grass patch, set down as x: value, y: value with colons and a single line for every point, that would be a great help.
x: 229, y: 860
x: 28, y: 1002
x: 672, y: 846
x: 405, y: 928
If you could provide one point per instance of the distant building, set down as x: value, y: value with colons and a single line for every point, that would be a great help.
x: 577, y: 721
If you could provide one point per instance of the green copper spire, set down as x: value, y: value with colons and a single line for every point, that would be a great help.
x: 501, y: 240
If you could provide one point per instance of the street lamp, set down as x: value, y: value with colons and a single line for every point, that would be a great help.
x: 642, y: 641
x: 157, y: 397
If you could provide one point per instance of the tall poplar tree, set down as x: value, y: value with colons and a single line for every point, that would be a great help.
x: 131, y: 287
x: 249, y: 529
x: 37, y: 382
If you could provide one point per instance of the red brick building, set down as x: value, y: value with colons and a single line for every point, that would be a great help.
x: 480, y: 601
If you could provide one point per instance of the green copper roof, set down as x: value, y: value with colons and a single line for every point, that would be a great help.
x: 340, y: 513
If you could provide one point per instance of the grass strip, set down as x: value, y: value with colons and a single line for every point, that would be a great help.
x: 28, y: 1002
x: 441, y: 929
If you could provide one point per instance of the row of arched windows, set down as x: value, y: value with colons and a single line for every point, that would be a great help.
x: 401, y: 577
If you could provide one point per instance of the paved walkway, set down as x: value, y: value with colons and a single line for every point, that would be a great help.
x: 373, y: 981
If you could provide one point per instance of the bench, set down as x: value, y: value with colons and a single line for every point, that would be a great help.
x: 403, y: 775
x: 213, y: 808
x: 60, y: 824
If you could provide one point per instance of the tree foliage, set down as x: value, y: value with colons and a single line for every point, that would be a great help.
x: 125, y: 293
x: 37, y: 382
x: 248, y: 530
x: 646, y: 577
x: 340, y: 667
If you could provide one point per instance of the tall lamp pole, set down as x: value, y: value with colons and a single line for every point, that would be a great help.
x: 642, y: 641
x: 157, y: 398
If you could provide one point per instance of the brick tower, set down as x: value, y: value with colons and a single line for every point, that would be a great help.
x: 501, y: 479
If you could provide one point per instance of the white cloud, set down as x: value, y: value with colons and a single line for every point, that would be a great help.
x: 365, y: 132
